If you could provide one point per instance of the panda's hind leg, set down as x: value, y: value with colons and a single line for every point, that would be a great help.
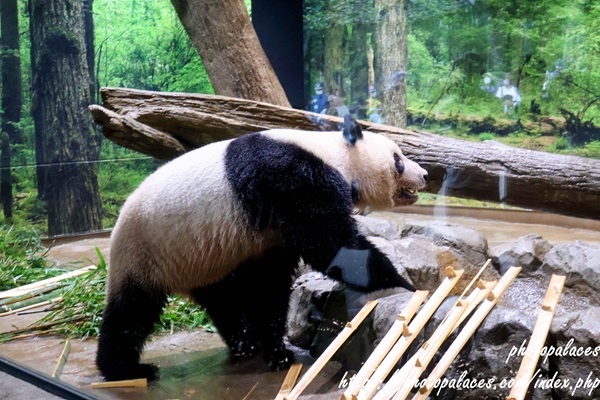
x: 261, y: 289
x: 222, y: 301
x: 267, y: 287
x: 129, y: 317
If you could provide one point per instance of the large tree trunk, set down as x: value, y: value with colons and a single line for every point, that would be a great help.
x: 235, y: 61
x: 359, y: 85
x: 333, y: 66
x: 481, y: 170
x: 88, y: 24
x: 12, y: 97
x: 65, y: 139
x: 392, y: 58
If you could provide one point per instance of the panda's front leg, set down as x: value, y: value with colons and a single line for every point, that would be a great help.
x: 322, y: 226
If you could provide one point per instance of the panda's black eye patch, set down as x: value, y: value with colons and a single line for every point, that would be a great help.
x: 399, y: 163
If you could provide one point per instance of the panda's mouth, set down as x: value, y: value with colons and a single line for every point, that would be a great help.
x: 410, y: 193
x: 406, y: 196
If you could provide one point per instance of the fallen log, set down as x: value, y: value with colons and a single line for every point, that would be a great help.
x: 487, y: 171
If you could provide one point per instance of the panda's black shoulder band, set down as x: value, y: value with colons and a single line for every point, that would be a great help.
x: 352, y: 130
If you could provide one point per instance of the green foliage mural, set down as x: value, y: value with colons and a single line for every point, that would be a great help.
x: 138, y: 44
x: 141, y: 44
x: 549, y: 48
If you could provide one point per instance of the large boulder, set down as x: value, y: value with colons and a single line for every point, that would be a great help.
x: 527, y: 252
x: 466, y: 241
x: 457, y: 246
x: 310, y: 292
x: 579, y: 261
x: 573, y: 353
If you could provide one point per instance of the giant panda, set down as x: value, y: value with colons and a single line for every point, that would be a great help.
x: 227, y: 224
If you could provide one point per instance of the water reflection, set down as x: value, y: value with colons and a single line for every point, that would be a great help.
x: 502, y: 186
x: 440, y: 208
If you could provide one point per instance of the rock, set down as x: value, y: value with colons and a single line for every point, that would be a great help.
x: 487, y: 356
x: 387, y: 310
x: 573, y: 336
x: 468, y: 242
x: 310, y: 292
x: 371, y: 226
x: 579, y: 261
x: 491, y: 357
x: 527, y: 252
x: 395, y: 257
x: 458, y: 247
x: 419, y: 257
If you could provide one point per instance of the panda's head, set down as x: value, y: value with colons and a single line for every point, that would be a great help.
x: 380, y: 175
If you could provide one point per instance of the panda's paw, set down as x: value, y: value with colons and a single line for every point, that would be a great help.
x: 280, y: 359
x: 148, y: 371
x: 244, y: 349
x: 134, y: 371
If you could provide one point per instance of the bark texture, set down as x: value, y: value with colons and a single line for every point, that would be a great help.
x: 12, y: 92
x: 234, y: 59
x: 88, y: 23
x: 392, y: 58
x: 66, y: 145
x: 359, y: 85
x: 490, y: 171
x: 12, y: 97
x: 333, y: 66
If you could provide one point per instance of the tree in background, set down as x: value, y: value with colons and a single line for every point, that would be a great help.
x: 88, y: 23
x: 335, y: 40
x: 12, y: 97
x: 391, y: 37
x: 236, y: 63
x: 67, y: 146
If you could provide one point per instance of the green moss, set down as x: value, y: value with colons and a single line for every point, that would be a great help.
x: 60, y: 41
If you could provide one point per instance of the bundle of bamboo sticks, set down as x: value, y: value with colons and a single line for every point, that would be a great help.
x: 367, y: 383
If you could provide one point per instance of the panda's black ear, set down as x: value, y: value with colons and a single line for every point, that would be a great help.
x: 352, y: 130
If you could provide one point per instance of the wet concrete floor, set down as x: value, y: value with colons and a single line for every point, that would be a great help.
x: 195, y: 365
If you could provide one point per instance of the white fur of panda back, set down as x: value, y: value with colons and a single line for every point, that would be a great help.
x: 183, y: 227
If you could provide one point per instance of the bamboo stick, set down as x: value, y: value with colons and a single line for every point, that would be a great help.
x: 331, y: 349
x: 29, y: 307
x: 62, y: 360
x: 142, y: 382
x: 386, y: 344
x: 43, y: 283
x: 475, y: 278
x: 538, y: 339
x: 410, y: 333
x: 28, y: 335
x: 476, y: 297
x: 403, y: 383
x: 17, y: 299
x: 412, y: 370
x: 289, y: 381
x: 468, y: 331
x: 251, y: 390
x: 33, y: 328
